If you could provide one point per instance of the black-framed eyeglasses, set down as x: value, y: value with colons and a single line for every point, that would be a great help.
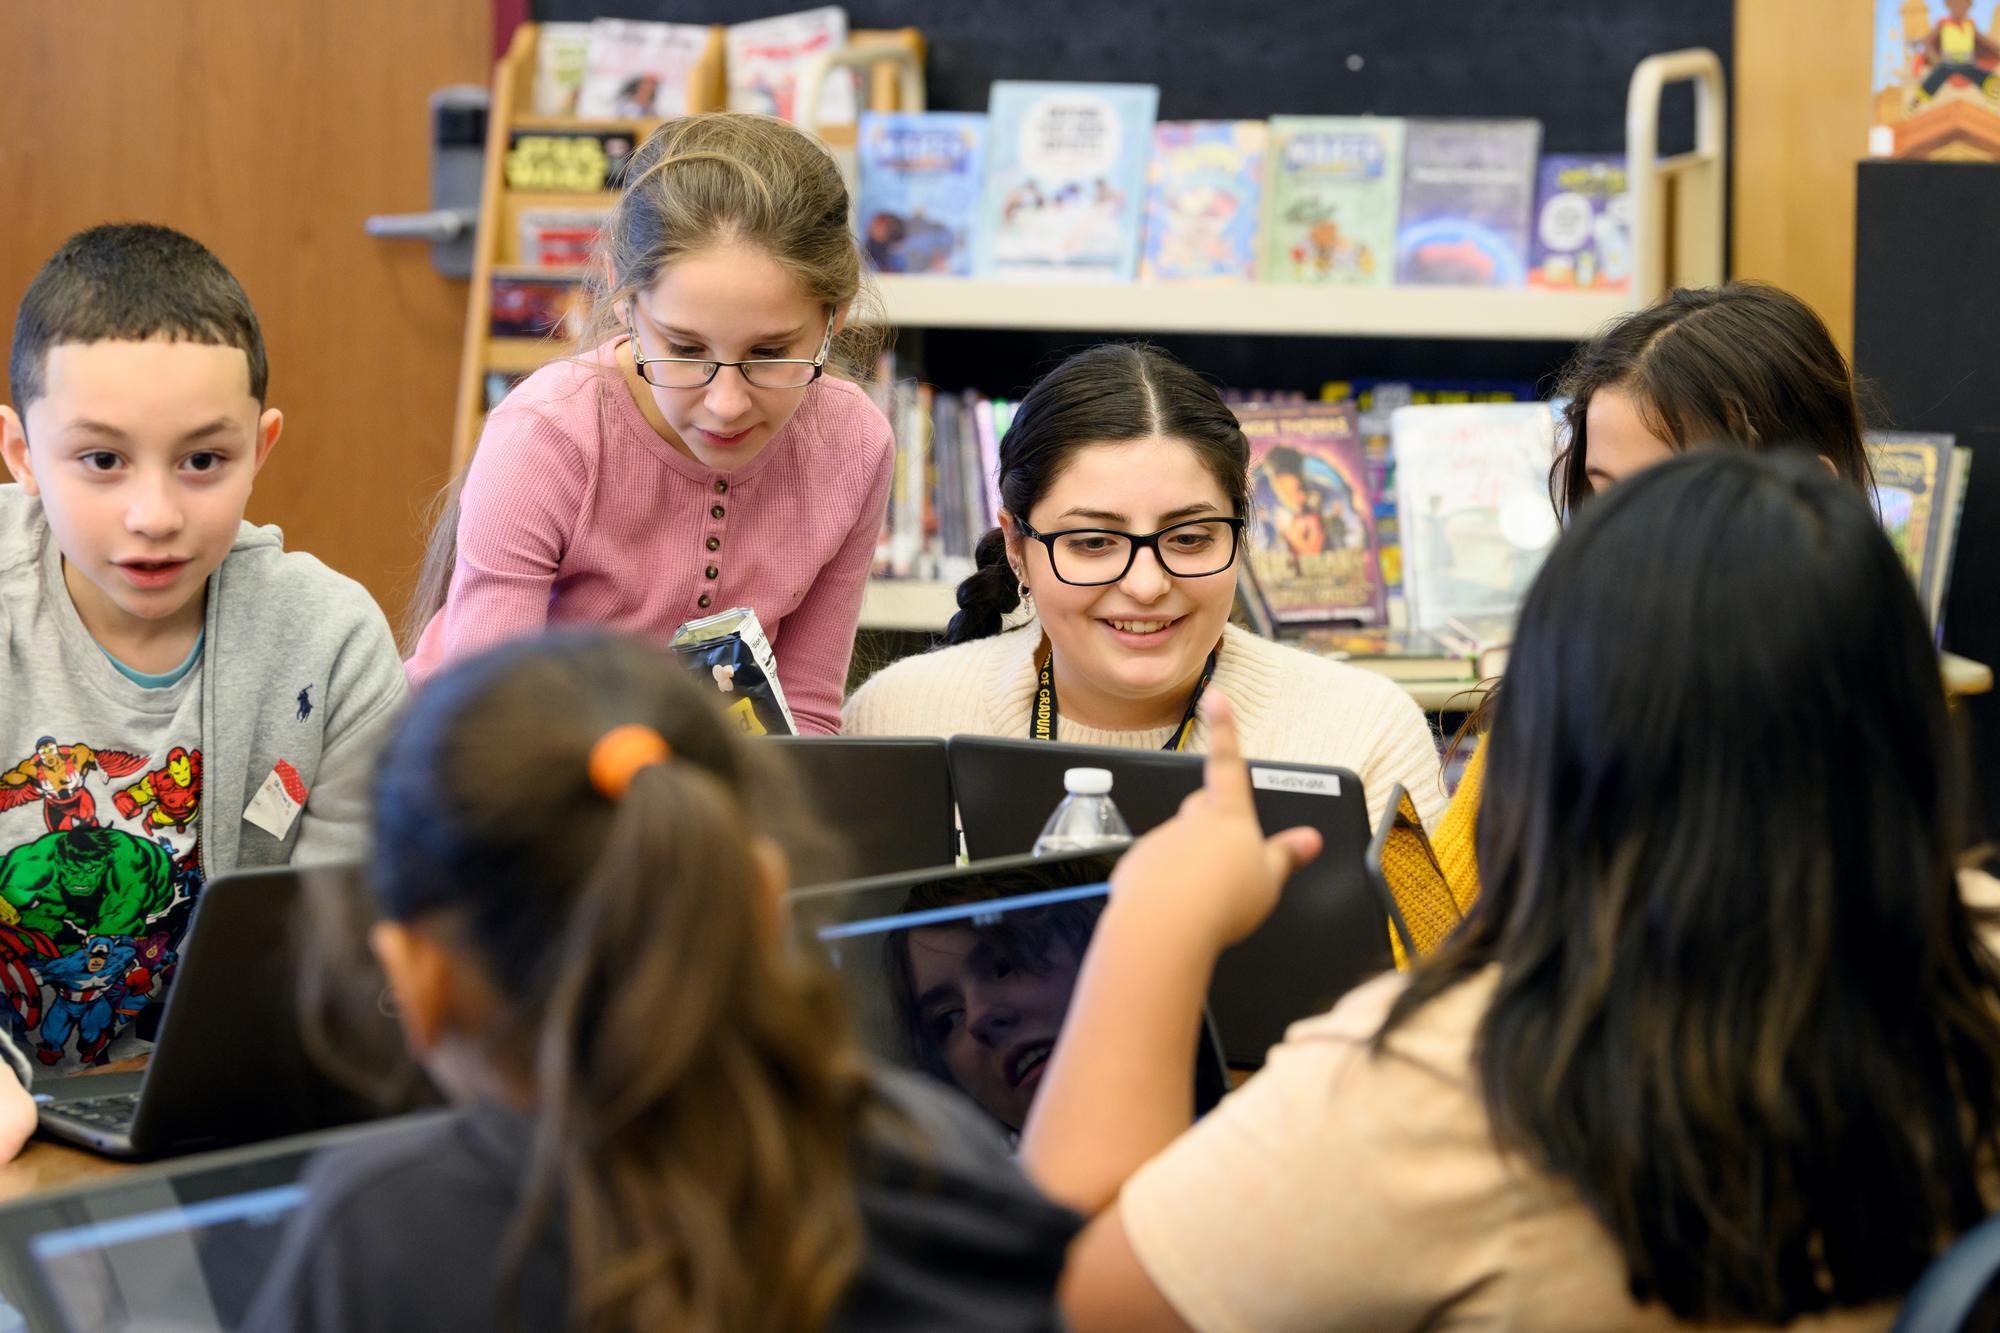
x: 1091, y: 557
x: 681, y: 372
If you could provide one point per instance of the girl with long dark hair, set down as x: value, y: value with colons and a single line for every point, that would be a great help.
x: 1719, y: 1044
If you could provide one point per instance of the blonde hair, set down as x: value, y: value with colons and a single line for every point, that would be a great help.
x: 727, y: 177
x: 700, y: 181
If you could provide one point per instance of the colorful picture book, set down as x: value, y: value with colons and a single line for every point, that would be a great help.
x: 767, y: 56
x: 1472, y: 505
x: 1203, y: 194
x: 639, y: 70
x: 1375, y: 403
x: 1919, y: 485
x: 567, y: 161
x: 1468, y: 187
x: 1936, y: 86
x: 1583, y: 224
x: 1312, y: 530
x: 1333, y: 187
x: 558, y: 237
x: 536, y: 307
x: 561, y: 53
x: 921, y: 178
x: 1065, y: 180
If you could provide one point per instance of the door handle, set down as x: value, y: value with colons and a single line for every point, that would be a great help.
x: 458, y: 173
x: 437, y: 226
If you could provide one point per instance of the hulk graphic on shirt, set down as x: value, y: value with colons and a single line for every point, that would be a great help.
x: 97, y: 881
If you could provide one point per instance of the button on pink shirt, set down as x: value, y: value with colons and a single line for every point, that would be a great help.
x: 575, y: 511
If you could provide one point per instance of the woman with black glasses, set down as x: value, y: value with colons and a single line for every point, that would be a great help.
x: 1124, y: 491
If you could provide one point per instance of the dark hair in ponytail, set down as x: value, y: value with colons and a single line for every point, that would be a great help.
x: 1105, y: 394
x: 703, y: 1166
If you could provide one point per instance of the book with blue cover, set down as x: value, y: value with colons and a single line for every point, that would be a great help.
x: 1468, y: 187
x: 1331, y: 189
x: 1203, y: 194
x: 1583, y: 224
x: 921, y: 178
x: 1065, y: 180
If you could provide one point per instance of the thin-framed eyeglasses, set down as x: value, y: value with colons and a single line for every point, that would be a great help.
x: 682, y: 372
x: 1194, y: 548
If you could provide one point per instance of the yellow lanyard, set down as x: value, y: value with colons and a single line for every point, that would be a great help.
x: 1042, y: 717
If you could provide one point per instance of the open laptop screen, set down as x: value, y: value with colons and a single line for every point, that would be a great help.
x: 181, y: 1265
x: 966, y: 973
x: 184, y: 1245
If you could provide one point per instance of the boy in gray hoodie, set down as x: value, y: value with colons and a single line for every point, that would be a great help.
x: 181, y: 696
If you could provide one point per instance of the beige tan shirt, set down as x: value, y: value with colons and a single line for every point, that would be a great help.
x: 1337, y: 1190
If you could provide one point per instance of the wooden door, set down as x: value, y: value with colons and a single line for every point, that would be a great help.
x: 269, y: 131
x: 1801, y: 101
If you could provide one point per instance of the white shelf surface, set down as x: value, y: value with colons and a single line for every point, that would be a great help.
x: 917, y: 605
x: 1248, y: 308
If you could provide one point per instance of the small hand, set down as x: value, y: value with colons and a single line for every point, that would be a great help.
x: 1210, y: 867
x: 17, y: 1114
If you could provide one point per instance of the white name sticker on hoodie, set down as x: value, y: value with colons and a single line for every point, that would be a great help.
x: 278, y: 802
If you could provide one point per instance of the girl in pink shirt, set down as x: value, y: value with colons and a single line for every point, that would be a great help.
x: 695, y: 456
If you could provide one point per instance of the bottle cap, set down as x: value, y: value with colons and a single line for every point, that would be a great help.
x: 1087, y: 781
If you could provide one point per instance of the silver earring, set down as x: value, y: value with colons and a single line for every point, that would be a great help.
x: 1027, y: 593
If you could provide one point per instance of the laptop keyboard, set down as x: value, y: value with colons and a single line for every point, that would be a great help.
x: 114, y: 1112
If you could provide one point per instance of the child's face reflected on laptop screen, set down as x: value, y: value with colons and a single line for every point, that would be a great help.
x: 990, y: 1009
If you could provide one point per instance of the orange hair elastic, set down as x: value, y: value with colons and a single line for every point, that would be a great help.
x: 621, y: 752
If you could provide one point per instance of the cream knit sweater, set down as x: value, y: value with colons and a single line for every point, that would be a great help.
x: 1291, y: 707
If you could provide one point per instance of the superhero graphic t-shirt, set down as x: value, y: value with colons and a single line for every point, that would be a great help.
x: 100, y: 863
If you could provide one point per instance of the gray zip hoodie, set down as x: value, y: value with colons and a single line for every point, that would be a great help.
x: 298, y: 664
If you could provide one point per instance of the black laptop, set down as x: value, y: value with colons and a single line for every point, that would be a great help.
x: 1331, y: 928
x: 889, y: 799
x: 184, y: 1245
x: 229, y: 1064
x: 966, y: 973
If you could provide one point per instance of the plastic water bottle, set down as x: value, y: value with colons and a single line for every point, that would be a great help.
x: 1086, y: 819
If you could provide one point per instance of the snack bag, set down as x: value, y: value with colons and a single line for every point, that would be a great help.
x: 729, y: 650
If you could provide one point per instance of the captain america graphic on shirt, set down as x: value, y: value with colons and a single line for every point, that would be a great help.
x: 99, y: 867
